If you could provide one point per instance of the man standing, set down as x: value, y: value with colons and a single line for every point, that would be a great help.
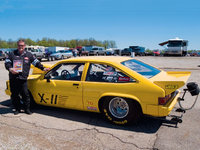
x: 18, y: 64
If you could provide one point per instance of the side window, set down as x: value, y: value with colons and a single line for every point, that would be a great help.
x: 106, y: 73
x: 67, y: 71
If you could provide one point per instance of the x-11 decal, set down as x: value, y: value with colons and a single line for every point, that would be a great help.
x: 53, y: 98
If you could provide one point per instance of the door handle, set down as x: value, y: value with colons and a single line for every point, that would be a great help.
x: 75, y: 84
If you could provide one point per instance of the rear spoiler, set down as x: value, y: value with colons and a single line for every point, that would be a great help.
x: 172, y: 80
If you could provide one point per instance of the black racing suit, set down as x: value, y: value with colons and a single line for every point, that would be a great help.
x: 18, y: 82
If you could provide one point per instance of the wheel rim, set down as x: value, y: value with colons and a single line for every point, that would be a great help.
x: 118, y: 107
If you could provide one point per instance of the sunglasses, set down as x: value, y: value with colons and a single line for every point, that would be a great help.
x: 21, y: 45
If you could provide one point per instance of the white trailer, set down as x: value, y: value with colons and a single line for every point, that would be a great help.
x: 56, y: 48
x: 175, y: 47
x: 33, y: 47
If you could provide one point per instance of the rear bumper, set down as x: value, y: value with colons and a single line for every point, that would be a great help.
x: 166, y: 109
x: 162, y: 110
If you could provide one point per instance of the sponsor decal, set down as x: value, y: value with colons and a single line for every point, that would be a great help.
x: 124, y: 79
x: 120, y: 122
x: 105, y: 111
x: 91, y: 108
x: 42, y: 98
x: 53, y: 99
x: 26, y: 59
x: 108, y: 73
x: 90, y: 103
x: 171, y: 86
x: 109, y: 69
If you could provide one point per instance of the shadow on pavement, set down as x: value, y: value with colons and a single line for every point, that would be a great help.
x: 146, y: 125
x: 8, y: 107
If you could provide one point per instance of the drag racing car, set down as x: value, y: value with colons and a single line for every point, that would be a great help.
x: 123, y: 89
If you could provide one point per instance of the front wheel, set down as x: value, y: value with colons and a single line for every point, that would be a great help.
x: 120, y: 110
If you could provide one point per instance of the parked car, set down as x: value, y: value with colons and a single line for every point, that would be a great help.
x: 2, y: 55
x: 61, y: 54
x: 156, y: 53
x: 97, y: 51
x: 121, y: 88
x: 138, y: 50
x: 84, y: 52
x: 109, y: 51
x: 37, y: 53
x: 195, y: 53
x: 126, y: 51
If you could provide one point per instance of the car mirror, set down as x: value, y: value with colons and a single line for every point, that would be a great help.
x: 48, y: 77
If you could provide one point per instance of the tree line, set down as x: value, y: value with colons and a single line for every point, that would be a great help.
x: 48, y: 42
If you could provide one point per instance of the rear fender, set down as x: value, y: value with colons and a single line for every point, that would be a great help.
x: 122, y: 95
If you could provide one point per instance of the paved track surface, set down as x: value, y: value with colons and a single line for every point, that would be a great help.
x: 54, y: 128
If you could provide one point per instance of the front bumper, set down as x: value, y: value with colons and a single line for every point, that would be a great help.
x: 7, y: 90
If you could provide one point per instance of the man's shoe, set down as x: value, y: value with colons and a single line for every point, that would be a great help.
x: 27, y: 111
x: 16, y: 112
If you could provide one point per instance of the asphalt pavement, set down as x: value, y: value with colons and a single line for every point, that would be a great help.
x: 57, y: 129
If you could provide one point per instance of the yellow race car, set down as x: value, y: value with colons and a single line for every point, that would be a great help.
x: 121, y: 88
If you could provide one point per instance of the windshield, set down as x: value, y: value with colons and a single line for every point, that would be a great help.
x: 95, y: 49
x: 34, y: 50
x: 141, y: 68
x: 174, y: 43
x: 61, y: 51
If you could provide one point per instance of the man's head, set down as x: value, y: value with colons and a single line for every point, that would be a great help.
x: 21, y: 45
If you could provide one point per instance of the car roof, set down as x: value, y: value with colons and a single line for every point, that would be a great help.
x: 111, y: 59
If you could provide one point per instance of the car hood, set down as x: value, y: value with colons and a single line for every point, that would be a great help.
x: 171, y: 81
x: 37, y: 71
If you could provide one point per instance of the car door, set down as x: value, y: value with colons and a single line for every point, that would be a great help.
x: 61, y: 87
x: 101, y: 79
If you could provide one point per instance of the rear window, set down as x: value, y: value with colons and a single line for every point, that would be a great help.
x: 141, y: 68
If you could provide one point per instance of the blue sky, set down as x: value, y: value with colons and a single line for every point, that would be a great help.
x: 128, y: 22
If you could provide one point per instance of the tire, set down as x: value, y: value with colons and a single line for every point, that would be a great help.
x: 52, y: 58
x: 122, y: 111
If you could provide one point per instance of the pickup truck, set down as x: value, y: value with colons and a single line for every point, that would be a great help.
x: 37, y: 53
x: 97, y: 51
